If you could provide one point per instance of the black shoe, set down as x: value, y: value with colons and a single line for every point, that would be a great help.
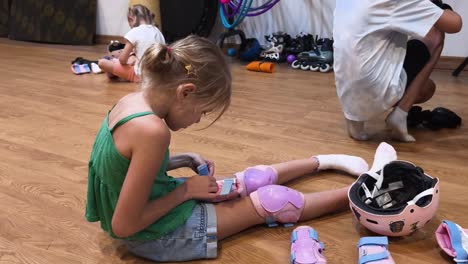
x: 442, y: 118
x: 414, y: 117
x: 77, y: 60
x: 81, y: 61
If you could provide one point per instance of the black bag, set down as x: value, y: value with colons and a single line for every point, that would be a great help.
x: 180, y: 18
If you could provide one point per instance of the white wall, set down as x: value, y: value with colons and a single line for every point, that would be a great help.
x: 457, y: 44
x: 112, y: 17
x: 291, y: 16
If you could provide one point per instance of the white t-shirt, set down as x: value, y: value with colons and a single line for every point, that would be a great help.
x: 370, y: 39
x: 142, y: 37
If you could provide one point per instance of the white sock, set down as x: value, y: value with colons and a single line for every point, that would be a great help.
x: 396, y: 120
x: 384, y: 154
x: 350, y: 164
x: 356, y: 130
x: 95, y: 68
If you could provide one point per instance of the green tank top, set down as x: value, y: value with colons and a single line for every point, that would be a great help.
x: 107, y: 169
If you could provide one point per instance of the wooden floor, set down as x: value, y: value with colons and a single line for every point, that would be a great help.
x: 49, y: 118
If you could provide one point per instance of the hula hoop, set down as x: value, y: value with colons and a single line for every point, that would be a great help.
x: 240, y: 9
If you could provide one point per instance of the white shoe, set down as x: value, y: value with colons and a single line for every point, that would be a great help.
x: 95, y: 68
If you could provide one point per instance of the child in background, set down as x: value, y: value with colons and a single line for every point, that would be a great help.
x: 142, y: 35
x: 169, y: 219
x: 377, y: 68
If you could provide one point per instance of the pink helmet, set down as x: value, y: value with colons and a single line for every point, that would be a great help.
x: 396, y: 200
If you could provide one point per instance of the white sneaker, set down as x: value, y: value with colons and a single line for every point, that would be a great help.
x: 95, y: 68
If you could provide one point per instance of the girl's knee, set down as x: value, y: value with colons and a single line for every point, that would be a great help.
x: 102, y: 63
x: 430, y: 90
x: 276, y: 203
x: 105, y: 65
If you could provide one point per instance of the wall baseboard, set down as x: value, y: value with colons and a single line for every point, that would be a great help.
x: 106, y: 39
x: 449, y: 63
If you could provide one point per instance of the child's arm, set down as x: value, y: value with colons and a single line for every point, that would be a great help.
x: 191, y: 160
x: 449, y: 22
x: 416, y: 18
x: 134, y: 210
x: 178, y: 161
x: 127, y: 51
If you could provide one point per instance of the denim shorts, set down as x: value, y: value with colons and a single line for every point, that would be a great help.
x: 196, y: 239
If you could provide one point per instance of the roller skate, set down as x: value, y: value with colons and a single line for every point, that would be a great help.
x: 320, y: 58
x: 302, y: 42
x: 294, y: 46
x: 274, y: 51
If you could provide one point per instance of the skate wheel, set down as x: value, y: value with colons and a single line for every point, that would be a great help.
x: 325, y: 68
x: 296, y: 64
x: 305, y: 67
x: 314, y: 68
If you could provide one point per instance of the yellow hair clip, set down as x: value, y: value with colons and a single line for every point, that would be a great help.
x: 190, y: 71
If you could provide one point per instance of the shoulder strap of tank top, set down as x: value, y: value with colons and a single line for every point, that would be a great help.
x: 130, y: 117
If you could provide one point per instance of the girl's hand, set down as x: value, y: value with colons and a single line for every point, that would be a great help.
x: 200, y: 188
x: 132, y: 60
x: 195, y: 160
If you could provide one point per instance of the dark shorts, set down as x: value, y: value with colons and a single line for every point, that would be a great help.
x: 417, y: 56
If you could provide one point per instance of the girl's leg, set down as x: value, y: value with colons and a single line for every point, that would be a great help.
x: 106, y: 65
x: 236, y: 215
x: 351, y: 164
x: 419, y: 90
x: 253, y: 178
x: 356, y: 130
x: 296, y: 168
x: 321, y: 203
x: 114, y: 68
x: 290, y: 170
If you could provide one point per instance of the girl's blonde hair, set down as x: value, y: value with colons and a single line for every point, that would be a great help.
x: 190, y: 60
x: 141, y: 12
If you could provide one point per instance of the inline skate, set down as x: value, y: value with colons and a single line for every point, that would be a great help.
x: 320, y: 58
x: 301, y: 43
x: 275, y: 50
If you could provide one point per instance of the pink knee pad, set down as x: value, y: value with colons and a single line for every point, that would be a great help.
x: 278, y: 203
x: 255, y: 177
x: 245, y: 182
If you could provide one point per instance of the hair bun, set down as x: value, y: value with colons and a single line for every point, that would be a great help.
x: 115, y: 45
